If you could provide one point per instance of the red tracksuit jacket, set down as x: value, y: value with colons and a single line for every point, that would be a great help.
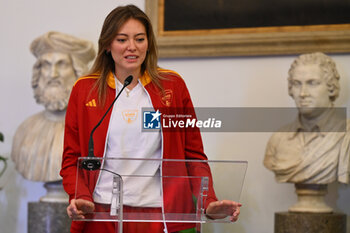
x: 83, y: 114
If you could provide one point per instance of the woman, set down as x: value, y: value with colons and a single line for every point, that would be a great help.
x: 127, y: 47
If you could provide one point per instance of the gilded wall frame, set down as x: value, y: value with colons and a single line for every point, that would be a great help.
x: 250, y: 42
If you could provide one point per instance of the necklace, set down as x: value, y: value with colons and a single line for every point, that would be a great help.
x: 117, y: 89
x: 126, y: 89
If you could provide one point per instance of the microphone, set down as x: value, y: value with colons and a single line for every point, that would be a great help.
x: 94, y: 164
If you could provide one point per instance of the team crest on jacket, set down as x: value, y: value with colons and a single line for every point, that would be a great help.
x: 129, y: 115
x: 167, y: 97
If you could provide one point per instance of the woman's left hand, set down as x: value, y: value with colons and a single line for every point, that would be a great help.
x: 222, y: 209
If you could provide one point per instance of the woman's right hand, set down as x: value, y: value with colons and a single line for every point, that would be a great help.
x: 79, y: 207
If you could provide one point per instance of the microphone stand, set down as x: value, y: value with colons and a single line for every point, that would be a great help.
x: 91, y: 163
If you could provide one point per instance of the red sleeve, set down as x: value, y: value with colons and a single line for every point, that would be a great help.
x: 194, y: 149
x: 72, y: 150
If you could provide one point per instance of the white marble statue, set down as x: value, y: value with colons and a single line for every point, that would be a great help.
x: 314, y: 150
x: 38, y: 142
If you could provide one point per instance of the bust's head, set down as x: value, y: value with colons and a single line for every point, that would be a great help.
x: 313, y: 82
x: 61, y: 59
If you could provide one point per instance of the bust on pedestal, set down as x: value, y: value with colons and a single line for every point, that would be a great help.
x: 38, y: 142
x: 314, y: 150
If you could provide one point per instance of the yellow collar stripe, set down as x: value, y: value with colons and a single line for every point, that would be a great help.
x: 95, y: 76
x: 110, y: 80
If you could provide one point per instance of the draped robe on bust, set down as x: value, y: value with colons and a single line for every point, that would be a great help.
x: 318, y: 157
x: 37, y: 148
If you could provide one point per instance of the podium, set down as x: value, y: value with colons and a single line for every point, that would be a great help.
x: 179, y: 190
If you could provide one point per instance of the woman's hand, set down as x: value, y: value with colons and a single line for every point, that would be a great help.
x: 222, y: 209
x: 79, y: 207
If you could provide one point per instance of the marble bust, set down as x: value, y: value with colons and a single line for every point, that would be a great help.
x: 314, y: 150
x: 38, y: 142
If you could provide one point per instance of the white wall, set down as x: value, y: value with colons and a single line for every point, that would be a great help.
x: 213, y: 82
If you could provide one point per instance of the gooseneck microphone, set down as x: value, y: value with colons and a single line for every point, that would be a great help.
x: 94, y: 164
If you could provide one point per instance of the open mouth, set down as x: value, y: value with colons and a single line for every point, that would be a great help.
x: 133, y: 57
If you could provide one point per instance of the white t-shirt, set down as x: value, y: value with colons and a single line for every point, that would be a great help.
x: 125, y: 139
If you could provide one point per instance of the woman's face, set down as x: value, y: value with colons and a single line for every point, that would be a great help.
x: 129, y: 47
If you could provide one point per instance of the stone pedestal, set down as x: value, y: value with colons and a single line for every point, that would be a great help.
x: 311, y: 199
x: 286, y: 222
x: 55, y: 193
x: 46, y: 217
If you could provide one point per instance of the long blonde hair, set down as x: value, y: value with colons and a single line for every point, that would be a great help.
x: 104, y: 63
